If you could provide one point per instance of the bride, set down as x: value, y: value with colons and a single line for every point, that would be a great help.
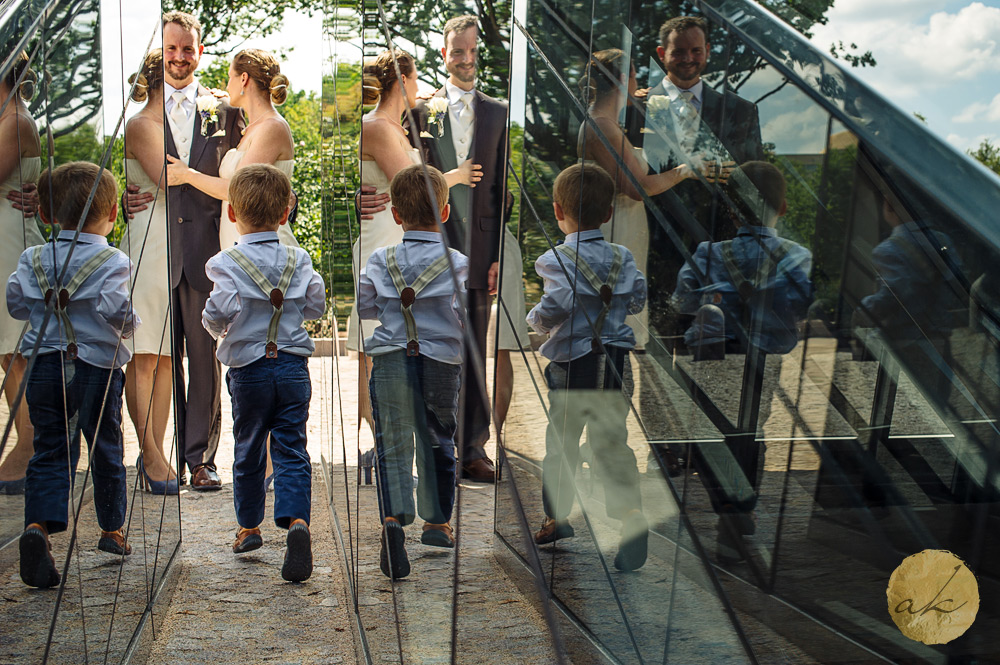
x: 256, y: 85
x: 386, y: 150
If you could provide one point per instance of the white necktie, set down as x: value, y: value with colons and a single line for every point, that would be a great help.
x: 178, y: 114
x: 465, y: 115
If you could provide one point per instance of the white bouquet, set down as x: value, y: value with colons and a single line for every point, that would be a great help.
x: 436, y: 108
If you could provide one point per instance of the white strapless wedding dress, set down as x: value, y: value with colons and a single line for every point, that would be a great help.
x: 145, y: 242
x: 19, y: 234
x: 381, y: 231
x: 228, y: 235
x: 628, y: 227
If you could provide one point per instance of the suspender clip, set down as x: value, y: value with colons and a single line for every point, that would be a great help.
x: 71, y: 350
x: 271, y: 350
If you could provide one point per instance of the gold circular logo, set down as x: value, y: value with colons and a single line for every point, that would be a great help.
x: 933, y: 597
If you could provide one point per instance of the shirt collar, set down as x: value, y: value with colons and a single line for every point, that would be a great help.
x: 259, y: 236
x: 190, y: 90
x: 674, y: 92
x: 750, y: 230
x: 422, y: 236
x: 455, y: 93
x: 86, y: 238
x: 583, y: 236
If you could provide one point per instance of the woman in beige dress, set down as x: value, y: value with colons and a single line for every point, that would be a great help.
x: 20, y: 166
x: 148, y: 376
x: 385, y: 150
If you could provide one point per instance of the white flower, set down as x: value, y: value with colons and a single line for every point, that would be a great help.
x: 426, y: 135
x: 437, y: 105
x: 207, y: 104
x: 657, y: 103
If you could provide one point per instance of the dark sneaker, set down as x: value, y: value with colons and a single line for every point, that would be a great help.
x: 247, y: 540
x: 113, y: 542
x: 437, y: 535
x: 298, y: 566
x: 38, y: 568
x: 392, y: 557
x: 634, y: 543
x: 553, y: 530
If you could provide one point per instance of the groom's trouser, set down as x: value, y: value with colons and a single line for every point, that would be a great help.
x: 474, y: 407
x: 197, y: 402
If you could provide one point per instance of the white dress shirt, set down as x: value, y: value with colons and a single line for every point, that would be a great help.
x: 461, y: 135
x: 100, y: 311
x: 239, y: 312
x: 183, y: 133
x: 674, y: 92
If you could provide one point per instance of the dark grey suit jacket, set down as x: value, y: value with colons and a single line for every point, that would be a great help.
x: 482, y: 213
x: 193, y: 216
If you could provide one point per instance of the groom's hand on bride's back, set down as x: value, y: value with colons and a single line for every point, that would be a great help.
x: 368, y: 202
x: 134, y: 201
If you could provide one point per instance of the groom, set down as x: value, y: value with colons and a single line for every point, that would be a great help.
x: 474, y: 127
x: 200, y: 140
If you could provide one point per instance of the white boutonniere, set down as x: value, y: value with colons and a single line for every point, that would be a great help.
x: 437, y: 107
x: 208, y: 109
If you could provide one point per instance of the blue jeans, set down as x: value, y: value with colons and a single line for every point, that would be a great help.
x: 415, y: 396
x: 587, y: 393
x: 271, y: 396
x: 86, y: 411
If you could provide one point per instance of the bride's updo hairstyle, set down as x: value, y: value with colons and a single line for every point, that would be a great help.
x: 264, y: 70
x: 604, y: 74
x: 150, y: 77
x: 380, y: 74
x: 27, y: 86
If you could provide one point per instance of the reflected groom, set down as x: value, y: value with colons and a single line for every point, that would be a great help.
x: 193, y: 229
x: 474, y: 127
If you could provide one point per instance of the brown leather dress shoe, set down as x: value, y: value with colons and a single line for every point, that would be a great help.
x: 247, y: 540
x: 437, y: 535
x: 553, y: 530
x: 205, y: 479
x: 480, y: 470
x: 113, y: 542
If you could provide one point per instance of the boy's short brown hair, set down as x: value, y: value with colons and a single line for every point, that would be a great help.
x: 258, y: 195
x: 584, y: 191
x: 408, y: 192
x: 63, y: 194
x: 757, y: 191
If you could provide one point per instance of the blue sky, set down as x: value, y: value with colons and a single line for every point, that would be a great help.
x: 940, y: 58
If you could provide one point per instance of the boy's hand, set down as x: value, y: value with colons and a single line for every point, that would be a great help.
x: 368, y: 202
x: 134, y: 202
x: 492, y: 277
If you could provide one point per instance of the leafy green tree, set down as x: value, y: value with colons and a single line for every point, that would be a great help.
x: 988, y: 153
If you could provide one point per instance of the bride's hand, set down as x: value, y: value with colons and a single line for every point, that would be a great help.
x: 469, y: 173
x: 177, y: 171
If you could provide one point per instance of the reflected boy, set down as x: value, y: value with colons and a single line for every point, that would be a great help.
x: 590, y: 286
x: 77, y: 376
x: 416, y: 365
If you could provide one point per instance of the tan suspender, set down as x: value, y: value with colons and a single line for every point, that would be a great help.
x: 276, y: 294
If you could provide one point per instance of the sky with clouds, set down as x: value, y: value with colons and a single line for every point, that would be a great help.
x: 939, y: 58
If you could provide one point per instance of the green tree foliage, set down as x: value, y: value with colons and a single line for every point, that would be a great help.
x: 988, y: 153
x: 228, y: 24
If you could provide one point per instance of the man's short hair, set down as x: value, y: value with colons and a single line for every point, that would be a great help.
x: 757, y: 191
x: 408, y: 192
x: 460, y: 24
x: 584, y: 191
x: 63, y: 194
x: 258, y: 195
x: 680, y: 24
x: 183, y: 19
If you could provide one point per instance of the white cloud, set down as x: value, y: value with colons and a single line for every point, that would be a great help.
x: 964, y: 143
x: 980, y: 112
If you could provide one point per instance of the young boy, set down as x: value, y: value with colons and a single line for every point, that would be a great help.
x: 416, y: 365
x: 591, y: 285
x: 77, y: 376
x: 263, y: 292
